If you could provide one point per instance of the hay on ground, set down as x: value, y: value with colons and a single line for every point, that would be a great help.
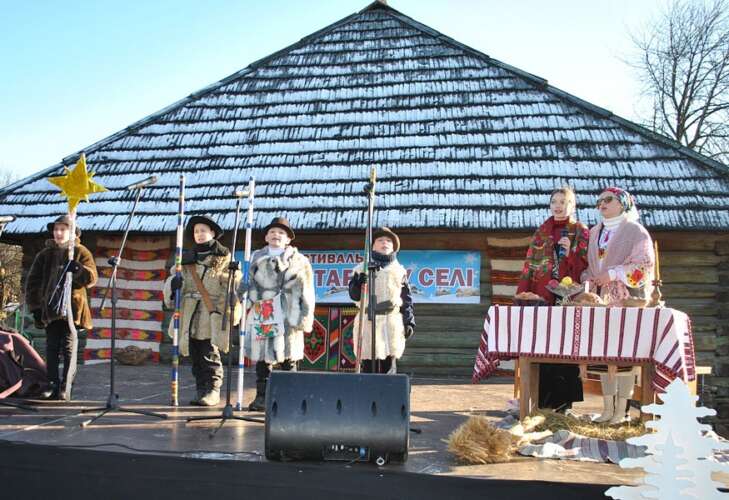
x: 556, y: 421
x: 478, y: 442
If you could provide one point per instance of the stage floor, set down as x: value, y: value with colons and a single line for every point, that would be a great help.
x: 438, y: 406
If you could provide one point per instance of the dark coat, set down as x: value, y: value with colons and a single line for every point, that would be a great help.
x: 44, y: 275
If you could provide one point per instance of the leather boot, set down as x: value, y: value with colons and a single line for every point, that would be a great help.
x: 259, y: 403
x: 619, y: 416
x: 199, y: 393
x: 51, y: 392
x: 210, y: 398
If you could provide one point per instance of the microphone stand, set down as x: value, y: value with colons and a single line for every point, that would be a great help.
x: 4, y: 402
x: 230, y: 301
x: 112, y: 403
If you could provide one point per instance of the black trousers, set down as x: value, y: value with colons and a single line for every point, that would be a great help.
x: 263, y: 369
x: 559, y: 386
x: 207, y: 366
x: 386, y: 365
x: 61, y: 340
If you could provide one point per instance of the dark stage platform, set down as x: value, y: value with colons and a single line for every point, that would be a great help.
x: 130, y: 455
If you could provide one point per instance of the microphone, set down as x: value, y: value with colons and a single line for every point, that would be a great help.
x: 4, y: 219
x: 561, y: 252
x: 143, y: 183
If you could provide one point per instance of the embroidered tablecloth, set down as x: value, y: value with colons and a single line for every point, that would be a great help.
x: 660, y: 336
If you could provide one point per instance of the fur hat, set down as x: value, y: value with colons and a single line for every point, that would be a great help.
x: 63, y: 219
x: 387, y: 232
x: 283, y: 223
x: 202, y: 219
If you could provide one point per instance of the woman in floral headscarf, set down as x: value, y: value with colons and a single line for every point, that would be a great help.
x: 620, y: 255
x: 558, y: 249
x: 621, y: 259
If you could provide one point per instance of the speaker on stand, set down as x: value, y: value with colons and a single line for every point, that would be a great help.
x: 337, y: 416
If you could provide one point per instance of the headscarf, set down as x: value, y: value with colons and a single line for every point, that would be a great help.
x: 626, y: 200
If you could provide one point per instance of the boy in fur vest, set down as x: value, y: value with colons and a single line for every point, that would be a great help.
x: 43, y: 295
x: 203, y: 286
x: 395, y: 319
x: 281, y: 294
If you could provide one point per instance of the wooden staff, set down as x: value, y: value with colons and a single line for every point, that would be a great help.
x: 67, y: 294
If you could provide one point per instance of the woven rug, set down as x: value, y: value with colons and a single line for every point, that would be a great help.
x: 506, y: 256
x: 140, y: 279
x: 329, y: 346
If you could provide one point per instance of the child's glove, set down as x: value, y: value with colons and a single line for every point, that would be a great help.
x: 409, y: 331
x: 176, y: 283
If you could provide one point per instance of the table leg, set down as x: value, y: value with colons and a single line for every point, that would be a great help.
x: 648, y: 393
x: 524, y: 383
x: 528, y: 386
x: 517, y: 379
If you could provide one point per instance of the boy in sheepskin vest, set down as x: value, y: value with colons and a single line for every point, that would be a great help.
x: 281, y: 294
x: 203, y: 287
x: 395, y: 318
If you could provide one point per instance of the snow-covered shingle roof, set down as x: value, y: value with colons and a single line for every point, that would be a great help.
x: 460, y: 140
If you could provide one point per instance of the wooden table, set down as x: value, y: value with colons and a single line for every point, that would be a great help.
x: 658, y: 340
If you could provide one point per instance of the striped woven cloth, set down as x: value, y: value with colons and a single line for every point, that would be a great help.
x: 569, y: 446
x: 661, y: 336
x: 140, y: 279
x: 507, y: 259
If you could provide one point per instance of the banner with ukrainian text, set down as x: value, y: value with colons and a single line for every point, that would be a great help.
x: 435, y: 276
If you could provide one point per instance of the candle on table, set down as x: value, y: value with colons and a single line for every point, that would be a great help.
x: 657, y: 262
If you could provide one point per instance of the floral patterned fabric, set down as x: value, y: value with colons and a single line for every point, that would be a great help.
x: 542, y: 264
x: 628, y: 253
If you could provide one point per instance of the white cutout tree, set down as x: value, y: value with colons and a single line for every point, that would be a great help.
x: 679, y: 462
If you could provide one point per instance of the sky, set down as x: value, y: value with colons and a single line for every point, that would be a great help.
x: 73, y: 73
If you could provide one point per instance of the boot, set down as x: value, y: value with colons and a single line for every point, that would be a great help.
x: 210, y: 398
x: 608, y: 409
x: 200, y: 392
x: 51, y: 392
x: 259, y: 403
x: 619, y: 416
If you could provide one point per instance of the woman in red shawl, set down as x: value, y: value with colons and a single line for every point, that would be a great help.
x: 558, y: 249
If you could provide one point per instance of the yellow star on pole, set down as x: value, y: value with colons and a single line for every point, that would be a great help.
x: 76, y: 185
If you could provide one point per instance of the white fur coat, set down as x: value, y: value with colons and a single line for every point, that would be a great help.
x: 289, y: 274
x: 390, y: 331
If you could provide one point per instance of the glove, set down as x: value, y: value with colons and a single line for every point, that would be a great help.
x: 73, y: 266
x: 233, y: 265
x: 409, y: 331
x: 38, y: 318
x: 188, y: 257
x: 176, y: 283
x: 362, y: 278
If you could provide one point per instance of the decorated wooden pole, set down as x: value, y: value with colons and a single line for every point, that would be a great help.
x: 76, y: 185
x: 174, y: 385
x: 244, y: 298
x: 370, y: 190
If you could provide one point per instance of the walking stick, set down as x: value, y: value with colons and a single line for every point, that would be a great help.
x: 370, y: 191
x: 68, y: 306
x: 244, y: 298
x: 174, y: 386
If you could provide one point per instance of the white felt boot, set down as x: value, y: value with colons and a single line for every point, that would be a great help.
x: 625, y: 392
x: 609, y: 389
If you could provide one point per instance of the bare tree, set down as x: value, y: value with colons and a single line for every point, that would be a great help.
x: 684, y: 66
x: 11, y: 261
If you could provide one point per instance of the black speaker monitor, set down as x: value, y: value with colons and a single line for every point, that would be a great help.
x: 337, y: 416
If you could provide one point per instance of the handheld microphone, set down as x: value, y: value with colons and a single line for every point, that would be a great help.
x: 4, y: 219
x: 143, y: 183
x: 561, y: 252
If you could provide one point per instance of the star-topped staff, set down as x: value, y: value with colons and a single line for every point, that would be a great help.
x: 76, y: 185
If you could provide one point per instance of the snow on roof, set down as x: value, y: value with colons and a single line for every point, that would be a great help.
x: 460, y: 140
